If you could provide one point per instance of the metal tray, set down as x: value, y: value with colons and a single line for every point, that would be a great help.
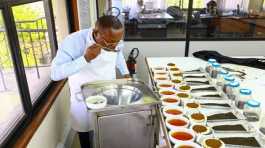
x: 253, y: 134
x: 209, y: 112
x: 228, y: 102
x: 249, y: 128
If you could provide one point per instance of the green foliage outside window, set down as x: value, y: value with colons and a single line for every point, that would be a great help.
x: 24, y: 13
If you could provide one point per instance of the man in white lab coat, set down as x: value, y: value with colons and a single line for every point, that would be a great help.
x: 85, y: 56
x: 136, y: 9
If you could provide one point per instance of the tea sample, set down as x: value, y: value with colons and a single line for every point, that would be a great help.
x: 183, y: 95
x: 161, y: 78
x: 171, y: 64
x: 174, y: 69
x: 199, y: 128
x: 241, y: 141
x: 215, y: 95
x: 176, y: 81
x: 222, y: 116
x: 173, y: 111
x: 205, y: 88
x: 170, y: 100
x: 167, y: 92
x: 185, y: 87
x: 198, y: 82
x: 217, y: 104
x: 237, y: 127
x: 191, y: 76
x: 185, y: 146
x: 197, y: 116
x: 177, y: 122
x: 177, y: 74
x: 165, y: 85
x: 213, y: 143
x: 184, y: 136
x: 192, y: 105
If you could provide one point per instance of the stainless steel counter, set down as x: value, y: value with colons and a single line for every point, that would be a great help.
x: 130, y: 118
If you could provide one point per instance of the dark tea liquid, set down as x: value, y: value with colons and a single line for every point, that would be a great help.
x: 170, y: 100
x: 173, y: 111
x: 167, y: 93
x: 177, y: 122
x: 182, y: 136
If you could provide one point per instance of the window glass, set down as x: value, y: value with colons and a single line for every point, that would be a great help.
x: 35, y: 46
x: 166, y: 19
x: 229, y: 19
x: 149, y: 19
x: 11, y: 110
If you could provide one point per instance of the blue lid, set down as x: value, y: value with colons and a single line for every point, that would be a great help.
x: 245, y: 91
x: 253, y: 103
x: 216, y: 65
x: 211, y: 60
x: 234, y: 84
x: 223, y: 72
x: 229, y: 78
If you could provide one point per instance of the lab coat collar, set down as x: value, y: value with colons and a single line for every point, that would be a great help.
x: 90, y: 40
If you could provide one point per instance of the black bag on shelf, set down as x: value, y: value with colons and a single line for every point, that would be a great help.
x: 251, y: 62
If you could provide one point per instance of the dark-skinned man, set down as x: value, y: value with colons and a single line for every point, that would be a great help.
x: 86, y: 56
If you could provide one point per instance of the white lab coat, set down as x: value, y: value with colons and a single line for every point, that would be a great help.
x: 134, y: 11
x: 101, y: 68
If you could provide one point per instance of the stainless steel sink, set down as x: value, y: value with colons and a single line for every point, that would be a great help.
x: 121, y: 92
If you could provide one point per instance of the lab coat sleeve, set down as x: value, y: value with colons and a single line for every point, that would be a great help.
x: 121, y: 64
x: 68, y: 61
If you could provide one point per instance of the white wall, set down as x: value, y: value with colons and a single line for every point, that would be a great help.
x: 231, y: 48
x: 55, y: 128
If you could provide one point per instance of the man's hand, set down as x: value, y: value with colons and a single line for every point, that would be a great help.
x: 92, y: 52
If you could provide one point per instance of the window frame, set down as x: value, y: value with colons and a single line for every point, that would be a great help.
x: 29, y: 107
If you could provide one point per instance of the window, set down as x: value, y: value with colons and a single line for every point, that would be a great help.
x: 153, y: 19
x: 167, y: 19
x: 11, y: 110
x: 27, y: 46
x: 237, y: 19
x: 34, y: 45
x: 185, y: 3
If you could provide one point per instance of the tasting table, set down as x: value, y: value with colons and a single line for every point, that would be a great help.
x: 254, y: 80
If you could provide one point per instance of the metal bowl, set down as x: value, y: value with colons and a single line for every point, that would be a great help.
x: 120, y: 94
